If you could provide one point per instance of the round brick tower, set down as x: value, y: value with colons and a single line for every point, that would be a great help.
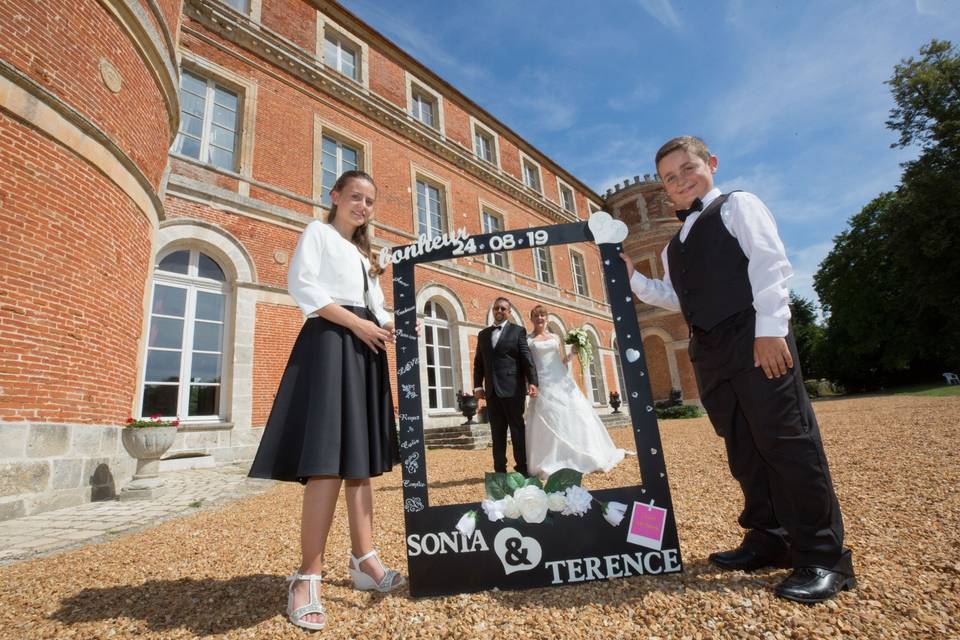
x: 642, y: 206
x: 88, y: 110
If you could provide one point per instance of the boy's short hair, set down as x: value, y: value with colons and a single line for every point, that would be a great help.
x: 691, y: 144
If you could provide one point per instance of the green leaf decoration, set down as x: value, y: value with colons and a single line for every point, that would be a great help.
x: 515, y: 481
x: 535, y: 482
x: 562, y: 479
x: 496, y: 486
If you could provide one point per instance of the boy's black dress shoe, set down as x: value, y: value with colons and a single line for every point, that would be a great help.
x: 811, y: 585
x: 750, y: 558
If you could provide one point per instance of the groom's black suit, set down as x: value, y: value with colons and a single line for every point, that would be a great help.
x: 503, y: 372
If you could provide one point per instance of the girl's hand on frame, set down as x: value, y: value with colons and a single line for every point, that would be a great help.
x: 373, y: 336
x: 391, y: 327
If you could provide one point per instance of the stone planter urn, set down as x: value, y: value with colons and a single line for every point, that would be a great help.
x: 467, y: 405
x: 146, y: 445
x: 615, y: 401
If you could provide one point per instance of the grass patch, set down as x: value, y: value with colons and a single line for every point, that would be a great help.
x: 933, y: 389
x: 196, y: 504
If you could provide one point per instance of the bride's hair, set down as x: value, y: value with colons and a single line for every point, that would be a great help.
x: 537, y: 309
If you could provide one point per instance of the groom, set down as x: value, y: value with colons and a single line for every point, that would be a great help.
x: 503, y: 373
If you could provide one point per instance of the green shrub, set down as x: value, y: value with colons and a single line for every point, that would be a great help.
x: 813, y: 388
x: 680, y: 411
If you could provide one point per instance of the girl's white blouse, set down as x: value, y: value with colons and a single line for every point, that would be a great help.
x: 327, y: 268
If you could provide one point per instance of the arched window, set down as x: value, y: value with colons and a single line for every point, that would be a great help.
x: 619, y: 364
x: 186, y: 328
x: 439, y: 357
x: 595, y: 376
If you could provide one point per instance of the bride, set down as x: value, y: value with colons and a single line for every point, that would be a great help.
x: 563, y: 430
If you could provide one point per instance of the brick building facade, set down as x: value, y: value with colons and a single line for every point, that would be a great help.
x: 159, y: 161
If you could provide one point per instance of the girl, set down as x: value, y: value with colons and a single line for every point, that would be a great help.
x: 332, y: 419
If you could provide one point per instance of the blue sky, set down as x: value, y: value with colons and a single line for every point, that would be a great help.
x: 789, y: 95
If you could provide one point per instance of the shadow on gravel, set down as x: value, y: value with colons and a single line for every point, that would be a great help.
x: 205, y: 607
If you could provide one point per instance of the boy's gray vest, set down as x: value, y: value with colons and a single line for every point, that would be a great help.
x: 709, y: 271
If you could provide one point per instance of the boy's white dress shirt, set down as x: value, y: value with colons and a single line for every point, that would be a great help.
x: 751, y: 223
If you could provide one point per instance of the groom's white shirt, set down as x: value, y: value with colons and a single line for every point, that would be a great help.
x: 495, y: 334
x: 494, y: 339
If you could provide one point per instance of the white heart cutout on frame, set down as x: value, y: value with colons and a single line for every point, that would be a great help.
x: 632, y: 355
x: 605, y: 229
x: 525, y: 552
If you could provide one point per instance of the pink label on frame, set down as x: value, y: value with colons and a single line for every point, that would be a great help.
x: 646, y: 525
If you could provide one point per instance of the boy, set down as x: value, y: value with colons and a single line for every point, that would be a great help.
x: 726, y: 271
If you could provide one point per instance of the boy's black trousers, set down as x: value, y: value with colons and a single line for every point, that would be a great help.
x: 773, y: 445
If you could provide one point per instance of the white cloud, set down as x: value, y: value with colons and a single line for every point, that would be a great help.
x: 933, y: 7
x: 787, y: 80
x: 662, y: 11
x: 643, y: 94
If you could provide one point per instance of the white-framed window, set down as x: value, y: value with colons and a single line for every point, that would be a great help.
x: 596, y: 377
x: 492, y: 223
x: 423, y: 107
x: 341, y: 54
x: 430, y: 212
x: 531, y: 174
x: 567, y: 200
x: 579, y: 273
x: 243, y: 6
x: 337, y: 157
x: 209, y: 121
x: 183, y: 374
x: 542, y: 266
x: 593, y: 207
x: 439, y: 346
x: 484, y: 144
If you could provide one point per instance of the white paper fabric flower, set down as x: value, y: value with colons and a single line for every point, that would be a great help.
x: 510, y: 508
x: 613, y: 512
x: 532, y: 502
x: 493, y: 509
x: 467, y: 523
x: 578, y: 501
x: 556, y: 501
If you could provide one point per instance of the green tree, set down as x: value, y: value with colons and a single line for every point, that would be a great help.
x: 927, y: 93
x: 890, y: 287
x: 808, y: 334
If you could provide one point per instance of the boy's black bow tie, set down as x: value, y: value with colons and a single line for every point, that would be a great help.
x: 696, y: 205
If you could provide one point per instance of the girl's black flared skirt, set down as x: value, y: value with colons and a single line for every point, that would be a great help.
x: 333, y: 413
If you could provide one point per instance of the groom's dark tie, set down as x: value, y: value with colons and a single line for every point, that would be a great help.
x: 696, y: 205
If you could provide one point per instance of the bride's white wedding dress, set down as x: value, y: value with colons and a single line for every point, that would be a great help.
x: 562, y: 429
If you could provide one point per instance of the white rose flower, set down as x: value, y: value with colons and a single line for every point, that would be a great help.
x: 467, y: 523
x: 613, y: 512
x: 532, y: 502
x: 493, y: 509
x: 556, y: 501
x: 510, y: 507
x: 578, y: 501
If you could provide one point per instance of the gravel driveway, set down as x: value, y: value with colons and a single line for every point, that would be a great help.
x: 219, y: 573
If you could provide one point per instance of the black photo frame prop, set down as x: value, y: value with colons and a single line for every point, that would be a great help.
x: 511, y: 553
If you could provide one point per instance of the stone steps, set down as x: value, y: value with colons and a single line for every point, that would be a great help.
x: 464, y: 436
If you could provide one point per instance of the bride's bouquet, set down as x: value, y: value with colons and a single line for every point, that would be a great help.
x: 581, y: 345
